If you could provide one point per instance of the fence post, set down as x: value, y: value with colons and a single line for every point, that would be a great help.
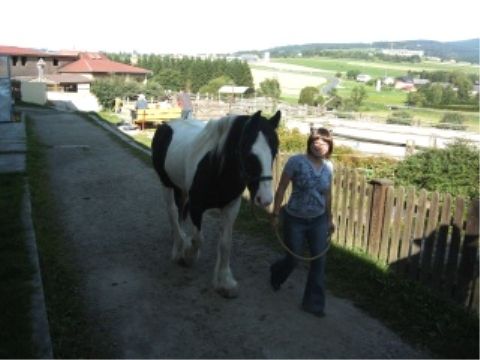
x: 467, y: 276
x: 410, y: 147
x: 377, y: 211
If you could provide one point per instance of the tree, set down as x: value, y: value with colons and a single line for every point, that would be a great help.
x: 449, y: 96
x: 434, y: 94
x: 154, y: 89
x: 358, y: 95
x: 416, y: 98
x: 170, y: 79
x: 463, y: 84
x: 214, y: 85
x: 106, y: 90
x: 352, y: 74
x: 271, y: 88
x: 309, y: 95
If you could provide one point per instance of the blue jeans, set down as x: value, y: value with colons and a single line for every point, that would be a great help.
x: 186, y: 114
x: 295, y: 231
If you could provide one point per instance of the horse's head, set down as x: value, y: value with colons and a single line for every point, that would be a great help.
x: 258, y: 148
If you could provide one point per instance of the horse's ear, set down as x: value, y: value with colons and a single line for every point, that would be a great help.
x: 275, y: 119
x: 254, y: 121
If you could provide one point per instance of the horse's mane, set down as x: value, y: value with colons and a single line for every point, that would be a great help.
x: 214, y: 134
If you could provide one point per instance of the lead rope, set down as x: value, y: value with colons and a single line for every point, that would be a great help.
x: 285, y: 247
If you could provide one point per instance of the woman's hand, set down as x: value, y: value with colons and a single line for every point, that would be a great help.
x: 331, y: 227
x: 274, y: 219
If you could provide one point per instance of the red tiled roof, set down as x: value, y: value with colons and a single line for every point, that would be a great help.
x: 17, y: 51
x: 99, y: 63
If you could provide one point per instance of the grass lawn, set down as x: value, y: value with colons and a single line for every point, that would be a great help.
x: 16, y: 273
x: 377, y: 68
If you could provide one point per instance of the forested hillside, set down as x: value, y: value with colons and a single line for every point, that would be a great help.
x: 466, y: 50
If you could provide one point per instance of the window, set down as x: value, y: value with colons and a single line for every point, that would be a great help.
x: 70, y: 88
x: 14, y: 60
x: 24, y: 60
x: 55, y: 62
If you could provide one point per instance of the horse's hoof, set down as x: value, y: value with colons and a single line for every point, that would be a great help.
x: 182, y: 262
x: 190, y: 256
x: 228, y: 293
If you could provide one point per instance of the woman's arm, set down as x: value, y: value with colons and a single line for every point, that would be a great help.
x: 328, y: 209
x: 280, y: 193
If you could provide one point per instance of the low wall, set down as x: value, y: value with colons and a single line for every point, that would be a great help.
x: 34, y: 92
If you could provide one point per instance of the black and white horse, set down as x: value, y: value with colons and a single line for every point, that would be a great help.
x: 205, y: 166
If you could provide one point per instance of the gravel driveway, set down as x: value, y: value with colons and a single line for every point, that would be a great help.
x: 113, y: 214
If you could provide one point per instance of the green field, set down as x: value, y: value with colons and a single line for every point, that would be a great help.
x: 377, y: 105
x: 377, y: 68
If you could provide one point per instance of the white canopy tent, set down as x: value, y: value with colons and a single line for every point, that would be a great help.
x: 232, y: 89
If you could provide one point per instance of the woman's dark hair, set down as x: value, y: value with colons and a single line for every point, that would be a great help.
x: 325, y: 135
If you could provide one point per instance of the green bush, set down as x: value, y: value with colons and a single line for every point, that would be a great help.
x: 400, y: 118
x: 450, y: 126
x: 454, y: 169
x: 374, y: 166
x: 292, y: 141
x: 106, y: 90
x: 453, y: 118
x: 452, y: 121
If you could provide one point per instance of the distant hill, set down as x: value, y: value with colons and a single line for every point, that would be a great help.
x: 465, y: 50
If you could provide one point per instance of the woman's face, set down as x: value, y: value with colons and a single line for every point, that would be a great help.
x: 319, y: 148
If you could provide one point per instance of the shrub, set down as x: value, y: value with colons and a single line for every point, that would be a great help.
x: 454, y: 169
x: 308, y: 95
x: 453, y: 118
x: 452, y: 121
x: 292, y: 141
x: 400, y: 118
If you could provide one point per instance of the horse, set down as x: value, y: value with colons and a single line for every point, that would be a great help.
x: 205, y: 166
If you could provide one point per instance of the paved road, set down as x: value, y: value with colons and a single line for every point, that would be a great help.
x: 110, y: 206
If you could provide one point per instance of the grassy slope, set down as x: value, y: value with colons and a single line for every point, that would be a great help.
x: 16, y: 273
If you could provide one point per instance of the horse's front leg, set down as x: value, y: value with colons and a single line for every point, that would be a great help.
x: 180, y: 240
x: 223, y: 280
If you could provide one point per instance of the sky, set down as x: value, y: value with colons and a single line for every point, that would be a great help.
x: 214, y: 26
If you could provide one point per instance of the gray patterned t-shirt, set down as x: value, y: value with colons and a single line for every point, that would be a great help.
x: 309, y: 186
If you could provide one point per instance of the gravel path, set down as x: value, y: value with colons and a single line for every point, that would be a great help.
x: 111, y: 208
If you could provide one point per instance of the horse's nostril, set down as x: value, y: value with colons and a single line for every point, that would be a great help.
x: 262, y: 202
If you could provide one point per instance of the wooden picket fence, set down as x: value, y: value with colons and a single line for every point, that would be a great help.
x: 427, y: 237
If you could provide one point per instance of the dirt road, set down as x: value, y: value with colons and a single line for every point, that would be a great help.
x: 113, y: 214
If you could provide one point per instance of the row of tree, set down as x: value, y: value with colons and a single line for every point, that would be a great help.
x: 191, y: 72
x: 442, y: 96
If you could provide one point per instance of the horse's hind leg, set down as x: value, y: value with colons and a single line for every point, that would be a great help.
x: 180, y: 240
x: 223, y: 279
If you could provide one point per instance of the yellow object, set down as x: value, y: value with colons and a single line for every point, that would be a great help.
x: 156, y: 115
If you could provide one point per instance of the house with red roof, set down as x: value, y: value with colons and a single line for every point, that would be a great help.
x: 66, y: 70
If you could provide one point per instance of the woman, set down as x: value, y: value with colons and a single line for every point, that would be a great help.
x: 307, y: 216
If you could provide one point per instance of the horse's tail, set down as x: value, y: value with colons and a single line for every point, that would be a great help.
x: 160, y: 143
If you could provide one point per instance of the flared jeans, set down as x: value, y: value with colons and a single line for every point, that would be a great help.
x: 295, y: 232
